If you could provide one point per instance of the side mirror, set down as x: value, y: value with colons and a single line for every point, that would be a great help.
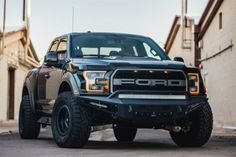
x: 179, y: 59
x: 51, y: 58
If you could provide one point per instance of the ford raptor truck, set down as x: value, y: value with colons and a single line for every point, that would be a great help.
x: 128, y: 82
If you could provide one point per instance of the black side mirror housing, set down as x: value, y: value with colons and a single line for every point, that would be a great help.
x: 179, y: 59
x: 51, y: 58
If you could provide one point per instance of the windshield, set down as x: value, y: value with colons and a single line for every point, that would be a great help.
x: 105, y: 46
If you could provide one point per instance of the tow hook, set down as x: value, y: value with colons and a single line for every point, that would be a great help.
x: 173, y: 128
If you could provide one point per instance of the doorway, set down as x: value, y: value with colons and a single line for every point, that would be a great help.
x: 11, y: 94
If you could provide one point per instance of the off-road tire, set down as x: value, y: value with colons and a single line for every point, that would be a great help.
x: 124, y: 134
x: 200, y: 129
x: 29, y: 128
x: 78, y: 129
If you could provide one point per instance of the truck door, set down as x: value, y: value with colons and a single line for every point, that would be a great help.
x: 50, y: 76
x: 44, y: 75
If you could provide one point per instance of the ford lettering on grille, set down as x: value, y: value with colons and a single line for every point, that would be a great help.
x: 149, y: 80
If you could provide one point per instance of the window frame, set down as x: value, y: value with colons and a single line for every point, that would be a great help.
x: 220, y: 20
x: 52, y: 44
x: 60, y: 41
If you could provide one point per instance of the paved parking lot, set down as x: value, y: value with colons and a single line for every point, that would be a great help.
x: 147, y: 143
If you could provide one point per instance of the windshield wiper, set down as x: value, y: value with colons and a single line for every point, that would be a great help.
x: 92, y: 55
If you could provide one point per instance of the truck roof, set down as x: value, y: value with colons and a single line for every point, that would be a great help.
x: 101, y: 33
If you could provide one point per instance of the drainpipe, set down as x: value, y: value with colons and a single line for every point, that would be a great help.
x: 26, y: 19
x: 3, y: 28
x: 197, y: 54
x: 183, y: 21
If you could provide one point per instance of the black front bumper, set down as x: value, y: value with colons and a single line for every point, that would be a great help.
x: 144, y: 112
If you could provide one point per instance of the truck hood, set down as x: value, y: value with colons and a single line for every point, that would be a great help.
x: 127, y: 62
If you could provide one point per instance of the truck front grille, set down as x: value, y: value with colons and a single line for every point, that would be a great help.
x: 149, y: 80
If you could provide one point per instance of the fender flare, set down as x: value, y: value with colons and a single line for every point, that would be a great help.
x: 30, y: 91
x: 73, y: 81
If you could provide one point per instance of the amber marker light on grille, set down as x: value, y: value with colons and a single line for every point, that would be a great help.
x: 165, y: 72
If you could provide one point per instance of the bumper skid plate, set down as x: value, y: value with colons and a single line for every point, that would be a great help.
x: 144, y: 110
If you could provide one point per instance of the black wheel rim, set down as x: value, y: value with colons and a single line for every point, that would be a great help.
x: 63, y: 120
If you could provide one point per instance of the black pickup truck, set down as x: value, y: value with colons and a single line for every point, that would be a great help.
x: 125, y: 81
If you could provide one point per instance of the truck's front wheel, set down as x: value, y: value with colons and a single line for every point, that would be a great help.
x: 29, y: 128
x: 201, y: 122
x: 71, y: 125
x: 124, y: 134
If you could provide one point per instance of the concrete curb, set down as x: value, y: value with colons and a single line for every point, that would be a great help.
x: 227, y: 132
x: 8, y: 127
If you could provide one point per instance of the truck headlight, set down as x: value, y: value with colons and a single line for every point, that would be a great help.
x: 96, y: 81
x: 194, y: 83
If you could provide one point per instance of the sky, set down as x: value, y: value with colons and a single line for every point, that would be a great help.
x: 52, y: 18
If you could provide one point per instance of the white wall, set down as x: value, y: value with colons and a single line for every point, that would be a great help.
x: 176, y: 49
x: 220, y: 71
x: 3, y: 88
x: 9, y: 59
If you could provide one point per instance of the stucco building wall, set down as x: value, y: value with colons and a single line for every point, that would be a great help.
x: 10, y: 60
x: 217, y: 52
x: 218, y: 56
x: 180, y: 41
x: 176, y: 49
x: 15, y: 57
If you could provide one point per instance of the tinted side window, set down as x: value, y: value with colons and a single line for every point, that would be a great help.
x: 53, y: 47
x: 62, y: 48
x: 62, y: 45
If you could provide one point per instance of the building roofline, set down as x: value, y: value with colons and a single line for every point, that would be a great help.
x: 172, y: 34
x: 34, y: 52
x: 211, y: 12
x: 12, y: 32
x: 23, y: 29
x: 205, y: 12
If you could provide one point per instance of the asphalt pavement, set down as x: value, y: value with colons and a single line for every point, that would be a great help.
x: 148, y: 143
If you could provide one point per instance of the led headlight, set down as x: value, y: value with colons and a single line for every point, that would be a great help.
x: 96, y: 82
x: 194, y: 83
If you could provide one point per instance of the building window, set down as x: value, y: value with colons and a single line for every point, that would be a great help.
x: 220, y: 20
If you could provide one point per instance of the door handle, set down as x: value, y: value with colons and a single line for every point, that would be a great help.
x: 47, y: 76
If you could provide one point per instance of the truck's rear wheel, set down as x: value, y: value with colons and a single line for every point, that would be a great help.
x: 124, y: 134
x: 200, y: 129
x: 29, y: 128
x: 71, y: 125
